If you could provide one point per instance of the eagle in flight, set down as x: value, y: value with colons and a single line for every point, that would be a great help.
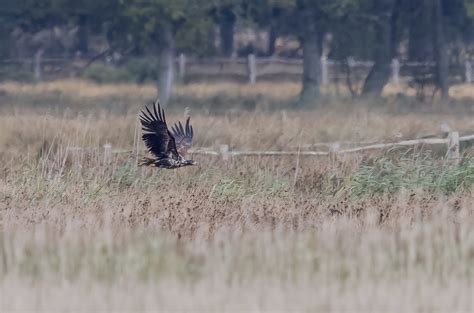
x: 167, y: 147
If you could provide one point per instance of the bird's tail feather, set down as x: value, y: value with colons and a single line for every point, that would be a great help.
x: 146, y: 162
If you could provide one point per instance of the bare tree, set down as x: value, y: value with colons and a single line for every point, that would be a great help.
x: 440, y: 50
x: 312, y: 48
x: 385, y: 46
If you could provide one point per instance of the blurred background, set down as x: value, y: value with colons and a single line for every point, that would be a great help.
x: 351, y: 48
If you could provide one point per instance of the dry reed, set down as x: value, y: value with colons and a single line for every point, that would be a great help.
x: 82, y: 230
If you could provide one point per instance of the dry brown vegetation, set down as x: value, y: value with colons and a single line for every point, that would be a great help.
x: 83, y: 230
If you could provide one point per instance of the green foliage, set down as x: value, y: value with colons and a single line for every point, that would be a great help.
x: 195, y: 36
x: 94, y: 192
x: 389, y: 176
x: 7, y: 22
x: 143, y: 21
x: 103, y: 73
x: 16, y: 73
x: 137, y: 25
x: 263, y: 184
x: 469, y: 4
x: 31, y: 14
x: 126, y: 175
x: 141, y: 70
x: 136, y: 70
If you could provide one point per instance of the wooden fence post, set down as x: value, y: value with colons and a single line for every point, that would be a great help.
x: 107, y: 152
x: 224, y: 152
x: 452, y: 154
x: 333, y: 150
x: 396, y: 71
x: 351, y: 62
x: 252, y: 68
x: 468, y: 73
x: 324, y: 71
x: 182, y: 66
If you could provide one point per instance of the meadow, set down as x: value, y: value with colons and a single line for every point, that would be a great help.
x: 86, y: 230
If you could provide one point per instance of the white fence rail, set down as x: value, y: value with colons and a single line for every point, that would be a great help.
x: 452, y: 143
x: 253, y: 68
x: 250, y: 69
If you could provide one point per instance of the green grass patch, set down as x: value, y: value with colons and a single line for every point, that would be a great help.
x: 386, y: 175
x: 262, y: 184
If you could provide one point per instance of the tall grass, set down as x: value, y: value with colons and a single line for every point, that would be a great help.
x: 389, y: 176
x: 340, y: 266
x: 81, y: 229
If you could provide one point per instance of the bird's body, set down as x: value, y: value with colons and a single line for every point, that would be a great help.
x: 167, y: 147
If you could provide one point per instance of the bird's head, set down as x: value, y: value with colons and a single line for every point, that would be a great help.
x: 189, y: 162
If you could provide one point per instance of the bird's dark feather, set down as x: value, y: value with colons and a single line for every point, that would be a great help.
x: 183, y: 136
x: 167, y: 147
x: 158, y: 139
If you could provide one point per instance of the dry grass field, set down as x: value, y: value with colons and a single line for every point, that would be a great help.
x: 82, y: 230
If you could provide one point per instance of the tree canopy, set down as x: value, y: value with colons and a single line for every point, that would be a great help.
x: 379, y: 30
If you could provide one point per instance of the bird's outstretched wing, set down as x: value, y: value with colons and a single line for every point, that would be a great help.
x: 158, y: 139
x: 183, y: 136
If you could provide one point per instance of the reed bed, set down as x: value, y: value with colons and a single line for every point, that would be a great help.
x: 83, y: 230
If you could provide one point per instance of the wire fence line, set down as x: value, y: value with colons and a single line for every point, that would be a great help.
x: 250, y: 68
x: 452, y: 142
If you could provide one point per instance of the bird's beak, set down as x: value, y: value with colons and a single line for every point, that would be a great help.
x: 190, y: 162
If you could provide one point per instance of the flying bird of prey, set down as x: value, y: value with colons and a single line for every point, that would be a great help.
x: 168, y: 148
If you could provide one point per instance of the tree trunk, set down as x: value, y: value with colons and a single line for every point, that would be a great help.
x: 226, y: 28
x: 83, y: 35
x: 386, y: 47
x: 420, y: 42
x: 312, y: 47
x: 440, y: 53
x: 166, y: 67
x: 272, y: 37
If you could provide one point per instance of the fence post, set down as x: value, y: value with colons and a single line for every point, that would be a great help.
x: 324, y: 71
x: 182, y: 66
x: 468, y: 68
x: 396, y: 71
x: 38, y: 59
x: 107, y: 152
x: 224, y: 152
x: 252, y: 68
x: 452, y: 154
x: 351, y: 63
x: 333, y: 150
x: 284, y: 116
